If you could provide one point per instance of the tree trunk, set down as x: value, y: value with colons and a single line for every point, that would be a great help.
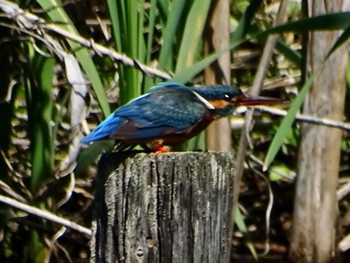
x: 315, y: 207
x: 217, y: 37
x: 163, y: 208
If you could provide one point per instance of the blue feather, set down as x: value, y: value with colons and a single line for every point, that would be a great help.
x: 104, y: 129
x: 164, y: 106
x: 169, y: 85
x: 217, y: 92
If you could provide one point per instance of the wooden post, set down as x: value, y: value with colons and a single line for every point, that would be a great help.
x: 174, y: 207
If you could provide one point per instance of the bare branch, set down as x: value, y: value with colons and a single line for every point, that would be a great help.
x: 344, y: 244
x: 45, y: 214
x: 306, y: 118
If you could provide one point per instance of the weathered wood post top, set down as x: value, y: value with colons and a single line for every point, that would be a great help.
x: 174, y: 207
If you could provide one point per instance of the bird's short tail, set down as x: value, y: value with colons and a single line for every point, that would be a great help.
x: 105, y: 128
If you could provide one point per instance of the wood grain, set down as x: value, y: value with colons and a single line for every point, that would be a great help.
x: 174, y: 207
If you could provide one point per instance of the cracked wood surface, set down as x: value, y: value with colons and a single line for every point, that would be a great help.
x: 174, y: 207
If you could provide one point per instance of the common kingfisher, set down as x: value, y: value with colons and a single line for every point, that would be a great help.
x: 171, y: 113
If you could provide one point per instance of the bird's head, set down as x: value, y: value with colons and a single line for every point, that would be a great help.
x: 223, y: 99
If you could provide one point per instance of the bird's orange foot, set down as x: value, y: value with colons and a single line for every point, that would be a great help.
x: 160, y: 148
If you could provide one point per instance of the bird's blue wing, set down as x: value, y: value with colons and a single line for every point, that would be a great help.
x: 168, y: 109
x: 164, y: 107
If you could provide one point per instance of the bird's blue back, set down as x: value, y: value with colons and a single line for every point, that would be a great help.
x: 168, y: 109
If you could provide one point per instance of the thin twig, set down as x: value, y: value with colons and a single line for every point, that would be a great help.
x: 263, y: 66
x: 343, y: 191
x: 306, y: 118
x: 45, y: 214
x: 102, y: 50
x: 344, y: 244
x: 268, y: 212
x: 287, y: 177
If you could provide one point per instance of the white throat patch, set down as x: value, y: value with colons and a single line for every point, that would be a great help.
x: 205, y: 102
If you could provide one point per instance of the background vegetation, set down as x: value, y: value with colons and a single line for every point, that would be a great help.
x: 66, y: 65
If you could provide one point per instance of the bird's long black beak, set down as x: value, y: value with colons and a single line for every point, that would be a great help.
x: 252, y: 101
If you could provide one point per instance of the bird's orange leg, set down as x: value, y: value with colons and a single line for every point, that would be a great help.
x: 159, y: 147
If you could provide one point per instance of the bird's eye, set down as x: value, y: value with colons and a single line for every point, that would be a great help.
x: 227, y: 97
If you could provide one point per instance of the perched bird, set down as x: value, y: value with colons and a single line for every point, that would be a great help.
x: 171, y: 113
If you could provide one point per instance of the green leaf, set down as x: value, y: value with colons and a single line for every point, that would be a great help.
x: 277, y: 172
x: 291, y: 54
x: 89, y: 155
x: 336, y: 21
x: 239, y: 221
x: 189, y: 73
x: 341, y: 40
x: 37, y: 250
x: 113, y: 10
x: 150, y: 35
x: 288, y: 120
x: 172, y: 23
x: 40, y: 115
x: 192, y: 34
x: 246, y: 21
x: 127, y: 22
x: 59, y: 16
